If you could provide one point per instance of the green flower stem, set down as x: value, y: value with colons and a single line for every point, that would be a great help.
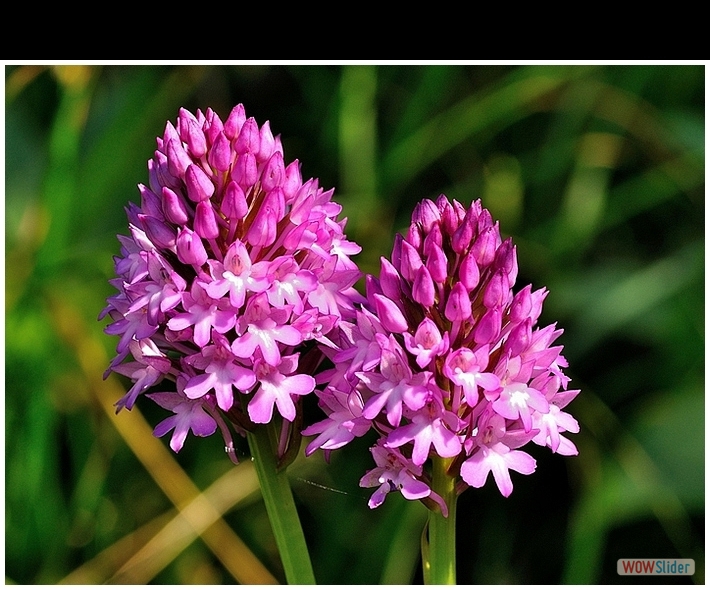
x: 440, y: 558
x: 281, y: 507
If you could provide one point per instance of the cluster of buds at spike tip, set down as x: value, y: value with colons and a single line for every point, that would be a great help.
x: 230, y: 283
x: 445, y: 360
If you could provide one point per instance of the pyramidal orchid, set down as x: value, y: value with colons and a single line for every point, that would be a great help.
x: 446, y: 363
x: 233, y: 276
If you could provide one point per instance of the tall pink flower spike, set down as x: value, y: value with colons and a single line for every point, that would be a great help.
x: 234, y: 277
x: 445, y: 360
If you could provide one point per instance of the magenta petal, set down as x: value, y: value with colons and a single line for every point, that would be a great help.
x: 299, y: 384
x: 379, y: 496
x: 261, y: 406
x: 245, y: 345
x: 521, y: 462
x: 202, y: 424
x: 287, y: 335
x: 475, y: 469
x: 488, y: 381
x: 413, y: 489
x: 446, y: 443
x: 200, y: 385
x: 165, y: 426
x: 501, y: 474
x: 179, y: 435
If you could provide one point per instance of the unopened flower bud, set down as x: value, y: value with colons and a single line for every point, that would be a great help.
x: 436, y: 262
x: 274, y: 172
x: 174, y: 207
x: 212, y: 126
x: 411, y: 261
x: 248, y: 140
x: 521, y: 305
x: 426, y: 214
x: 519, y: 338
x: 263, y: 229
x: 178, y: 158
x: 158, y: 232
x: 390, y: 315
x: 190, y: 249
x: 206, y: 221
x: 150, y: 203
x: 463, y: 235
x: 469, y: 274
x: 160, y: 175
x: 192, y: 134
x: 266, y: 144
x: 423, y: 291
x: 506, y: 259
x: 488, y: 327
x: 485, y: 245
x: 199, y: 186
x: 496, y: 292
x: 234, y: 122
x: 220, y: 157
x: 234, y: 203
x: 414, y: 235
x: 245, y: 171
x: 390, y: 281
x: 458, y: 305
x: 449, y: 220
x: 292, y: 180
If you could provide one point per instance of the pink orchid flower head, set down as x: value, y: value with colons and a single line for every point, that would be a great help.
x: 447, y: 361
x: 233, y: 277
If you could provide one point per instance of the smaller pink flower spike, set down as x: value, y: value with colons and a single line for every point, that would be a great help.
x: 445, y: 360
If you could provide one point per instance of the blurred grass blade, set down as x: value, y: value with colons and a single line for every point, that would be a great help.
x: 509, y: 101
x: 611, y: 307
x: 191, y: 521
x: 76, y: 85
x: 163, y: 538
x: 405, y: 546
x: 629, y: 485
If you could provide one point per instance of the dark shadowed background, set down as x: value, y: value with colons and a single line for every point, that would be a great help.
x: 597, y: 171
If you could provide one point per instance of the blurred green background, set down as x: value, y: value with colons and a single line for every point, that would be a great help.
x: 596, y: 171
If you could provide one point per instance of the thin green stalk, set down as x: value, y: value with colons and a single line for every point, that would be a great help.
x: 281, y: 507
x: 439, y: 556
